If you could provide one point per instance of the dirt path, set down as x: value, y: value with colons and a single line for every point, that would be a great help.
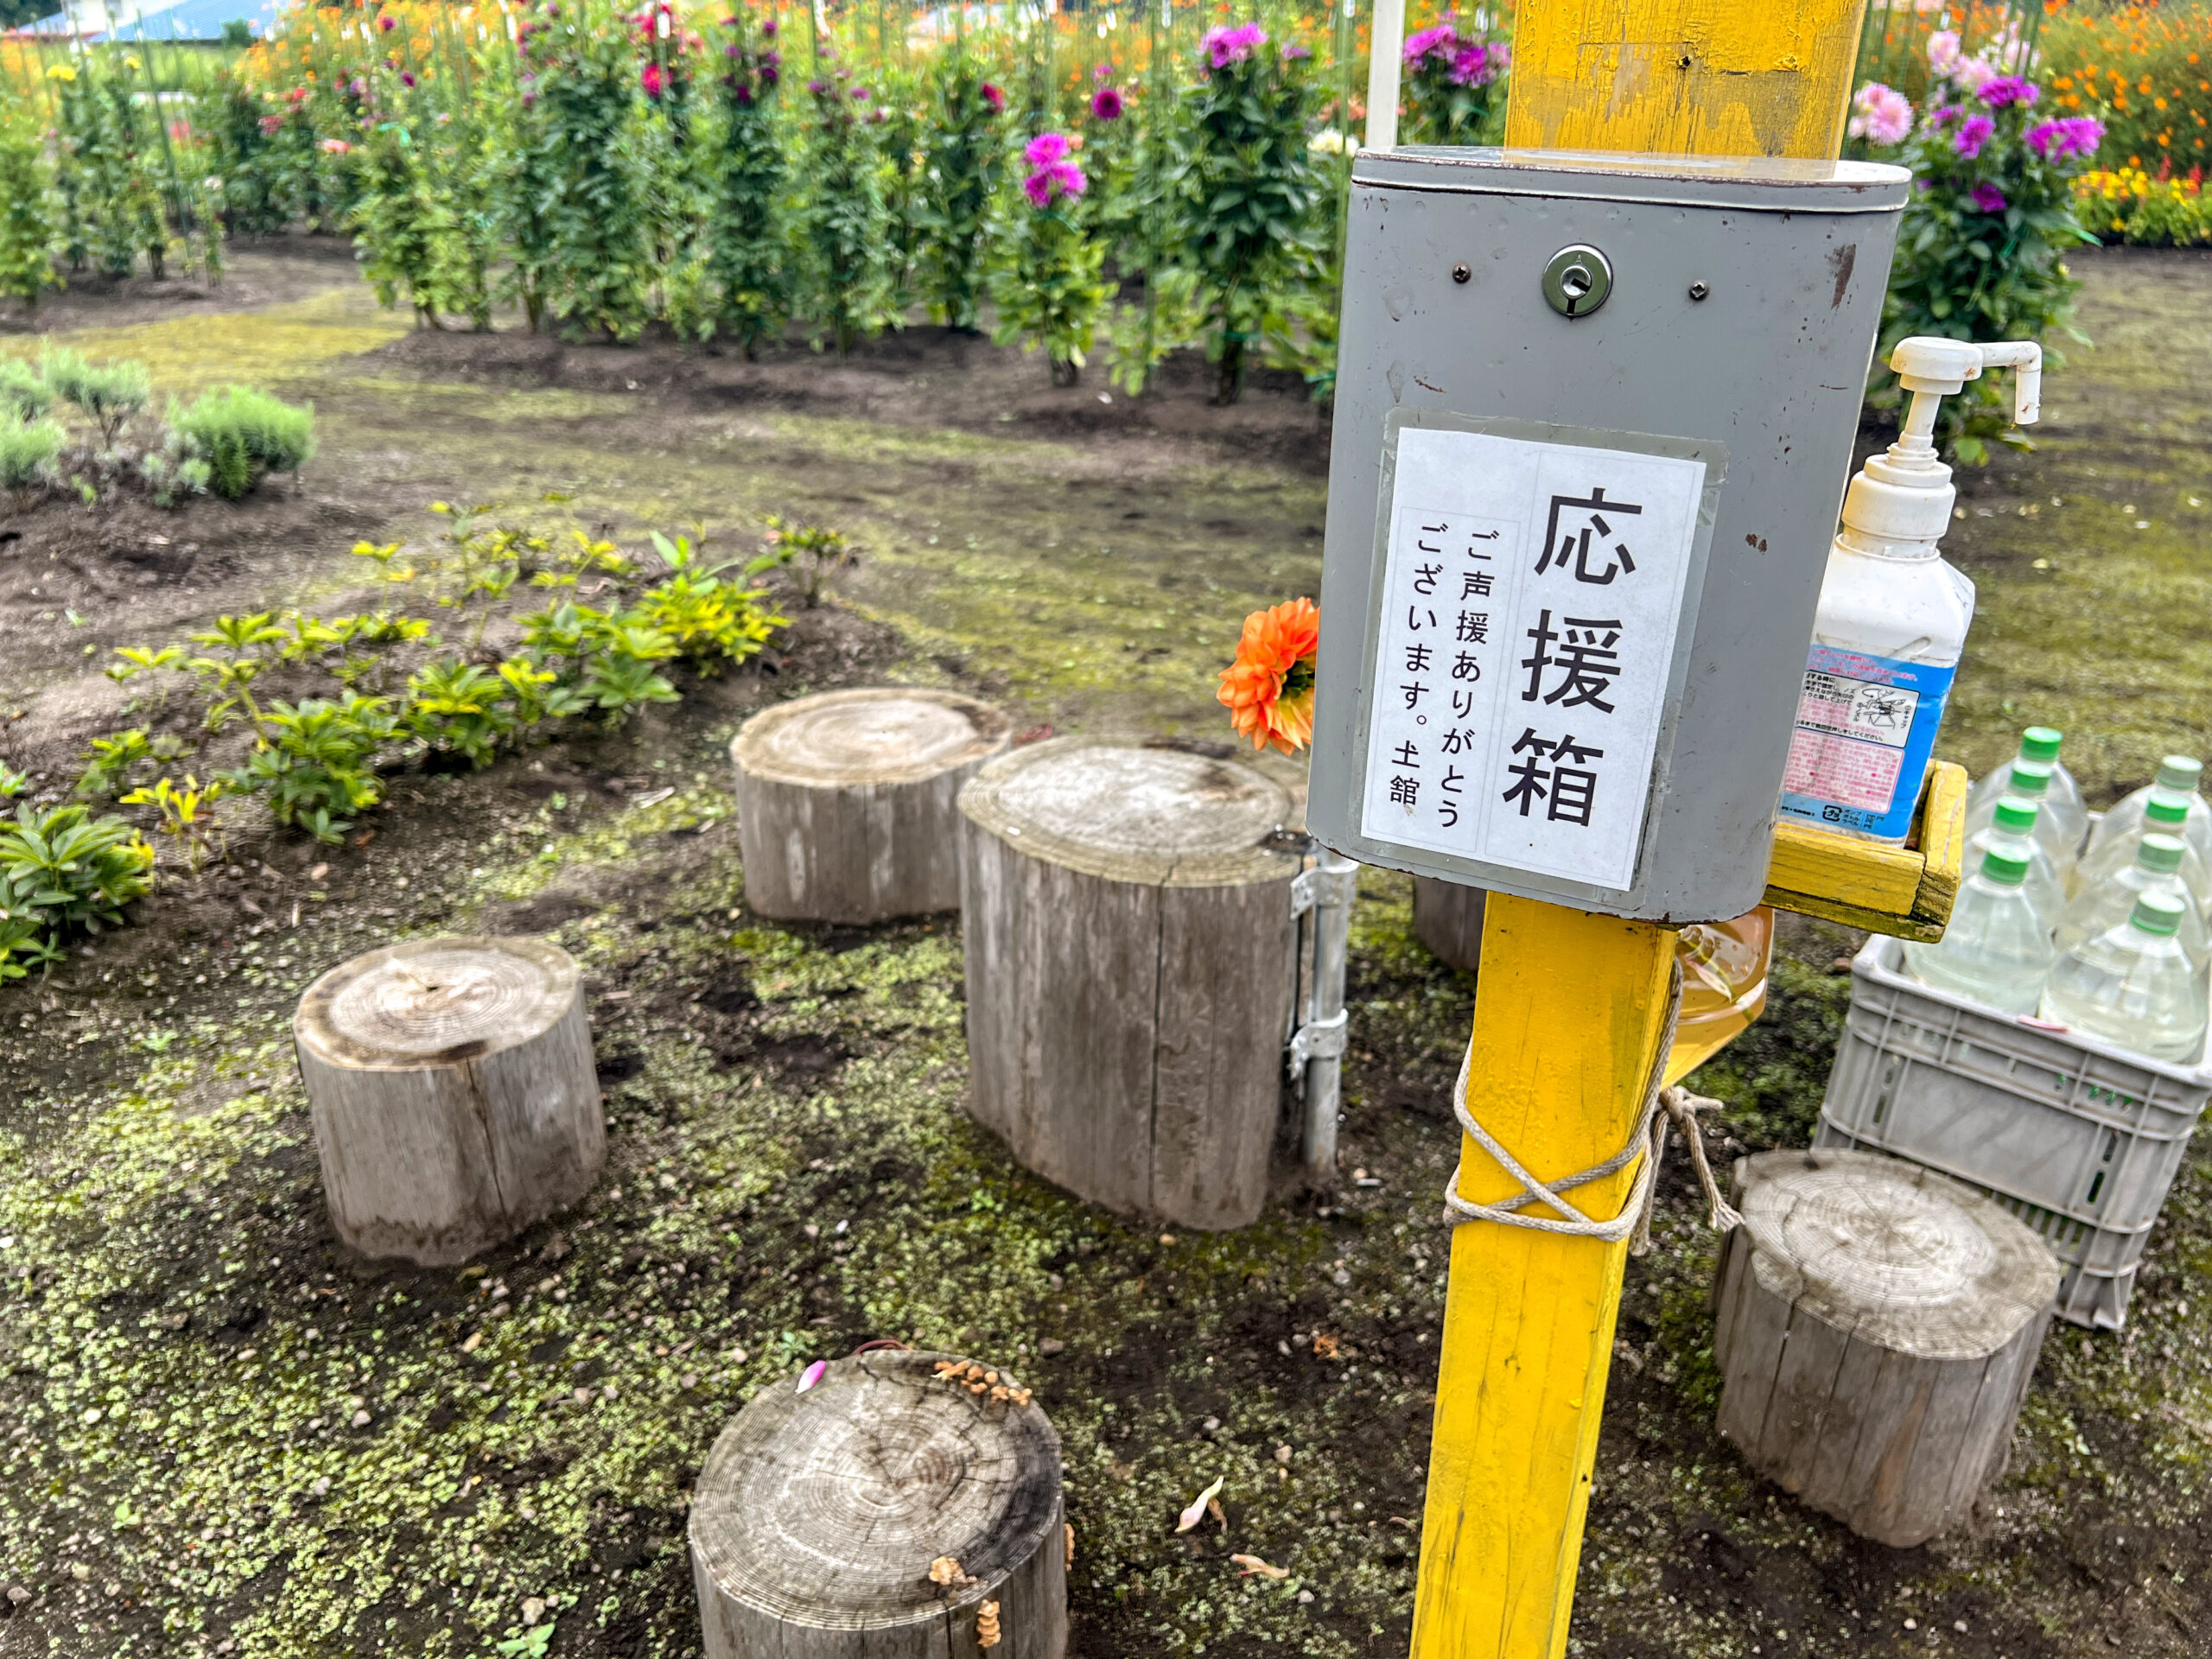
x: 217, y: 1435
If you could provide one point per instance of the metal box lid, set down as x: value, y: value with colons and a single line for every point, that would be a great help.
x: 1710, y: 395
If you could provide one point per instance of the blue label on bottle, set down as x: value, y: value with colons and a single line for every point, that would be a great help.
x: 1866, y: 729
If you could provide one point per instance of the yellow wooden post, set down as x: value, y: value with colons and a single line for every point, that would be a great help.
x: 1570, y: 1008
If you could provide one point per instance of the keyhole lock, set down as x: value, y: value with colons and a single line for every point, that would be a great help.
x: 1578, y: 281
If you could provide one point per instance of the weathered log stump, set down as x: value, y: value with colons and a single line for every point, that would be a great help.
x: 453, y: 1093
x: 1129, y: 958
x: 846, y: 801
x: 1449, y: 919
x: 1877, y: 1329
x: 891, y: 1511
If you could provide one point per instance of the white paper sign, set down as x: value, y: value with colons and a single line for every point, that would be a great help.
x: 1530, y: 603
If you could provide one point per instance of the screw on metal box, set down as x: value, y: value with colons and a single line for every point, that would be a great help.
x: 1577, y: 280
x: 1699, y: 290
x: 1461, y: 273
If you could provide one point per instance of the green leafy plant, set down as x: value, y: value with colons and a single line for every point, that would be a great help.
x: 745, y: 228
x: 587, y: 88
x: 109, y: 762
x: 1247, y: 191
x: 1046, y: 280
x: 171, y: 475
x: 966, y: 147
x: 407, y: 231
x: 708, y: 621
x: 108, y: 393
x: 820, y: 550
x: 27, y: 449
x: 107, y: 169
x: 238, y: 648
x: 842, y: 215
x: 460, y: 708
x: 29, y: 216
x: 263, y: 147
x: 185, y: 814
x: 68, y: 871
x: 1981, y: 253
x: 22, y: 392
x: 244, y: 436
x: 316, y: 761
x: 606, y: 659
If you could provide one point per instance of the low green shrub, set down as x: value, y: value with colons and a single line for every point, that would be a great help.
x: 27, y: 453
x: 460, y: 709
x: 63, y: 871
x: 823, y: 550
x: 316, y: 761
x: 108, y: 393
x: 243, y: 435
x: 22, y: 391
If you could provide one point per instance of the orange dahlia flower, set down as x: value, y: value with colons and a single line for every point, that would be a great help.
x: 1268, y: 689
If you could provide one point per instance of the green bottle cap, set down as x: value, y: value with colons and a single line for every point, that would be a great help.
x: 2157, y: 913
x: 2158, y: 852
x: 2006, y: 869
x: 2031, y: 778
x: 2165, y: 811
x: 2041, y: 743
x: 2180, y: 772
x: 2016, y: 816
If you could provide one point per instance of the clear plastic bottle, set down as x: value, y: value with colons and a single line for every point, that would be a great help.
x: 2178, y: 775
x: 2032, y: 781
x: 2156, y: 868
x: 1997, y: 948
x: 2062, y: 804
x: 2013, y: 828
x: 2164, y: 813
x: 2132, y: 986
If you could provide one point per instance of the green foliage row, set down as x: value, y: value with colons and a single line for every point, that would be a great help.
x: 606, y: 173
x: 385, y: 688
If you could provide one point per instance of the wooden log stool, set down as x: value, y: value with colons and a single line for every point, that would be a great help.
x: 1877, y: 1329
x: 1130, y: 956
x: 845, y: 801
x: 453, y: 1093
x: 899, y: 1508
x: 1449, y: 919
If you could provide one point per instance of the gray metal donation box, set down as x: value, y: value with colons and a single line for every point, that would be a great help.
x: 1594, y: 416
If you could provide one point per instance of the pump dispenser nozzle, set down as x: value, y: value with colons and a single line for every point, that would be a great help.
x: 1900, y: 503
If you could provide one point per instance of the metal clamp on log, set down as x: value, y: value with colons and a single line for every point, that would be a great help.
x: 1316, y: 1040
x: 1323, y: 886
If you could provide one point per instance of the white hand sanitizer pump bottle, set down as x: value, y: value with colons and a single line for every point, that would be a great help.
x: 1893, y: 616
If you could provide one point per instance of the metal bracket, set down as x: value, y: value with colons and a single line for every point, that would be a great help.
x: 1316, y: 1040
x: 1322, y: 887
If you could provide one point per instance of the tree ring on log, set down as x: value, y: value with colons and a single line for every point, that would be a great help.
x: 447, y: 997
x: 824, y: 1511
x: 1129, y: 812
x: 1901, y: 1258
x: 419, y: 1002
x: 902, y: 735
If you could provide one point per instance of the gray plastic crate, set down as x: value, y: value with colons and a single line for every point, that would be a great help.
x: 2078, y: 1139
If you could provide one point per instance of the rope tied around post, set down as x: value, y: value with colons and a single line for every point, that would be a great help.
x: 1661, y: 1106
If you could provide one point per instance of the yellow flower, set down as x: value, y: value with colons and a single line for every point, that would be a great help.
x: 61, y: 72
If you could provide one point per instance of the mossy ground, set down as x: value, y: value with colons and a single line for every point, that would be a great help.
x: 187, y: 1357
